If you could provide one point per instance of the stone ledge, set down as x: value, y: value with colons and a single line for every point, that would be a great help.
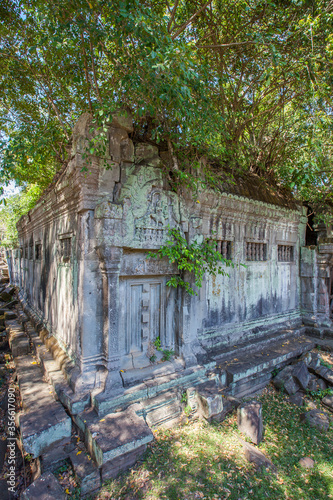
x: 114, y: 435
x: 44, y: 420
x: 44, y: 426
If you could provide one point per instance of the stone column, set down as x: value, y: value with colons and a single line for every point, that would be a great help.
x: 189, y: 345
x: 110, y: 262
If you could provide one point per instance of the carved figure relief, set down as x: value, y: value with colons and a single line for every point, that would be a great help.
x: 153, y: 226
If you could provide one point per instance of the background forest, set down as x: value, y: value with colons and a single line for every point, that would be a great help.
x: 225, y: 86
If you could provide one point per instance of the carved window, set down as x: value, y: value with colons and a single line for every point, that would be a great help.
x: 38, y: 251
x: 256, y: 251
x: 285, y: 253
x: 26, y: 252
x: 66, y: 249
x: 225, y: 248
x: 21, y: 252
x: 31, y: 250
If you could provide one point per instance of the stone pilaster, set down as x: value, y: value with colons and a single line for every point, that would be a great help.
x: 110, y: 263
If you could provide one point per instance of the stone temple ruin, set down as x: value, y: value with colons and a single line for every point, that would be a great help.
x: 94, y: 304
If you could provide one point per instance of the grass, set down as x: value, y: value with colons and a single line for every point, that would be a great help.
x: 206, y: 461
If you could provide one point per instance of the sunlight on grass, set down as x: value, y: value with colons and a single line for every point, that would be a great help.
x: 202, y: 460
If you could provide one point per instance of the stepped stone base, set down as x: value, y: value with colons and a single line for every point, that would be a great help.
x: 116, y: 430
x: 44, y: 421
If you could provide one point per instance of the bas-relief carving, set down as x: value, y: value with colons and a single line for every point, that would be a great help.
x: 152, y: 228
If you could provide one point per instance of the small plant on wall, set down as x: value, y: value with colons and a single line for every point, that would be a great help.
x: 195, y: 258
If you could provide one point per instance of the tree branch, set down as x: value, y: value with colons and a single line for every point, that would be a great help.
x: 184, y: 26
x: 94, y: 71
x: 86, y: 70
x: 172, y: 16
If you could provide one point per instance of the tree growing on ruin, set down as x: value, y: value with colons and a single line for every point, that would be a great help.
x: 221, y: 85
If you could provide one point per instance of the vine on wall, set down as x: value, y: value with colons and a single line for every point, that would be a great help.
x: 195, y: 258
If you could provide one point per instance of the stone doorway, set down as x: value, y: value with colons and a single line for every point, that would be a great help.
x: 143, y: 319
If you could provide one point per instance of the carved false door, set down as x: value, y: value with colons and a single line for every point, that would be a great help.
x: 143, y: 317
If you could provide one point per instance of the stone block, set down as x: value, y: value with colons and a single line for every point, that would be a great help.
x: 297, y: 399
x: 112, y: 468
x: 316, y: 418
x: 56, y: 454
x: 327, y: 401
x: 86, y: 471
x: 210, y: 403
x: 46, y: 487
x: 43, y: 427
x: 306, y: 463
x: 116, y: 434
x: 122, y: 119
x: 313, y: 385
x: 314, y: 363
x: 163, y: 410
x: 321, y: 384
x: 285, y: 381
x: 253, y: 455
x: 19, y: 346
x: 249, y: 420
x: 301, y: 375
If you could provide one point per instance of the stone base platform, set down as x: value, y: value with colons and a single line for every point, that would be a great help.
x: 116, y: 430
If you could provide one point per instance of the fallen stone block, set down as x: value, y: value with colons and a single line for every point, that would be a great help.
x: 249, y: 420
x: 321, y: 384
x: 284, y: 380
x: 86, y: 471
x: 43, y: 427
x: 11, y: 290
x: 314, y: 363
x: 316, y: 418
x: 206, y: 400
x: 306, y: 462
x: 297, y: 399
x: 46, y: 487
x: 325, y: 373
x: 301, y: 375
x: 327, y: 401
x: 253, y: 455
x: 313, y: 385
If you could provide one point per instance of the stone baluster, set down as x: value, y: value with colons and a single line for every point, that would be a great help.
x: 224, y: 249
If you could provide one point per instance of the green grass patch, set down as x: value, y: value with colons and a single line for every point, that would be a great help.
x: 206, y: 461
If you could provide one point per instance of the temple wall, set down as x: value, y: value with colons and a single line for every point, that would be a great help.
x: 82, y: 263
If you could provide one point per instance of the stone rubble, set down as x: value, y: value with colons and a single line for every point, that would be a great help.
x: 250, y: 422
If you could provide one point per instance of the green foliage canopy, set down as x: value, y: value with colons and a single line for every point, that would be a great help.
x: 242, y: 84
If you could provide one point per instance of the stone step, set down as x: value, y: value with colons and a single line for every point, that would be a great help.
x: 164, y: 409
x: 251, y: 372
x: 151, y: 388
x: 117, y: 438
x: 44, y: 420
x: 74, y: 402
x: 18, y: 340
x: 136, y: 376
x: 254, y: 344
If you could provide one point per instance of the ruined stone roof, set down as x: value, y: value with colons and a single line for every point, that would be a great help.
x: 257, y: 188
